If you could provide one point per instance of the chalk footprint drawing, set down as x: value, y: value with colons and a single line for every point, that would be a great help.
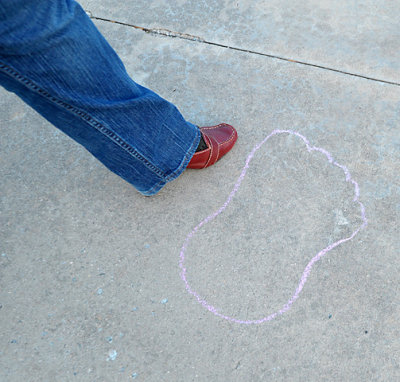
x: 311, y: 263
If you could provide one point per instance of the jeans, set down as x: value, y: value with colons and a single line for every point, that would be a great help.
x: 54, y: 58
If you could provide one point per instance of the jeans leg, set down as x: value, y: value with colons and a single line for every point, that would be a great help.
x: 55, y: 59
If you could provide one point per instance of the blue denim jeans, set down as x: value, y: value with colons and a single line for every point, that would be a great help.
x: 55, y: 59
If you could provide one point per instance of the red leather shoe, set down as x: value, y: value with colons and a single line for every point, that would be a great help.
x: 219, y: 139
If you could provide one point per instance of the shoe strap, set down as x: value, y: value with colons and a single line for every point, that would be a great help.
x: 214, y: 146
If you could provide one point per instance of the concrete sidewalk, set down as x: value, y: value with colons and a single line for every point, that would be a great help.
x: 90, y: 283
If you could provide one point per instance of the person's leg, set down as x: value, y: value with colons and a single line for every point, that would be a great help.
x: 54, y: 58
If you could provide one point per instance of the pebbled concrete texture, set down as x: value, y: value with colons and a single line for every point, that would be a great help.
x: 359, y: 37
x: 90, y: 286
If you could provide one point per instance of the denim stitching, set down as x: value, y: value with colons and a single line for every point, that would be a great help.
x: 185, y: 159
x: 172, y: 176
x: 98, y: 126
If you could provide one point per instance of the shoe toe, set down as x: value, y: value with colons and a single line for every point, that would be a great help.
x: 224, y: 135
x: 220, y: 139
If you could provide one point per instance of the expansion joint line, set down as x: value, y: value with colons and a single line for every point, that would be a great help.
x: 184, y: 36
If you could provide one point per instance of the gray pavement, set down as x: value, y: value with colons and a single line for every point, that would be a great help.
x: 90, y: 286
x: 359, y: 37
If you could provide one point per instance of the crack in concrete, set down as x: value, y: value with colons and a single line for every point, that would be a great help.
x: 185, y: 36
x: 156, y: 31
x: 166, y: 32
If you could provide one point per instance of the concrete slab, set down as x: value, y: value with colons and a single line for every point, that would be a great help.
x: 90, y: 285
x: 362, y: 38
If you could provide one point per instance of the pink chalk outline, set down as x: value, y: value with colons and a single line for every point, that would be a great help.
x: 309, y: 266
